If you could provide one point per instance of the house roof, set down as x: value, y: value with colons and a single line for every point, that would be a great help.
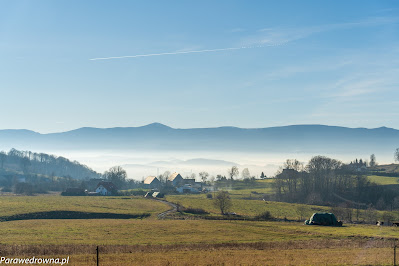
x: 107, y: 185
x: 174, y: 176
x: 150, y: 179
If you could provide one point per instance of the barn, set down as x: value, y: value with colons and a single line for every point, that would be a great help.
x: 175, y: 179
x: 152, y: 182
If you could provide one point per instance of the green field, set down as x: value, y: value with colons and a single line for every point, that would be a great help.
x: 384, y: 180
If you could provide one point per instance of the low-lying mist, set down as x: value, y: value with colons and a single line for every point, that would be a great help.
x: 140, y: 164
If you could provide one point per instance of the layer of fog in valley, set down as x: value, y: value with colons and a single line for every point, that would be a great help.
x: 140, y: 164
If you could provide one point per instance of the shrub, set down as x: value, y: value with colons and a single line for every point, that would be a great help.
x: 195, y: 210
x: 209, y: 196
x: 222, y: 201
x: 264, y: 216
x: 23, y: 188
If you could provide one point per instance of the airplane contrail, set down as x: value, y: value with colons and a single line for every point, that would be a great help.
x: 185, y: 52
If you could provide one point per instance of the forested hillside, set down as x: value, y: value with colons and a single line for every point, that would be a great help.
x: 27, y: 162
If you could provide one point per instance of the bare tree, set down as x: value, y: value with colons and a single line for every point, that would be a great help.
x: 204, y: 176
x: 373, y: 161
x: 116, y: 175
x: 396, y: 155
x: 164, y: 177
x: 293, y: 164
x: 232, y: 172
x: 222, y: 201
x: 302, y: 211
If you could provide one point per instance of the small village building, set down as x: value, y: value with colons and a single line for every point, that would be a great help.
x: 188, y: 188
x: 175, y: 179
x: 152, y: 182
x: 189, y: 181
x: 106, y: 188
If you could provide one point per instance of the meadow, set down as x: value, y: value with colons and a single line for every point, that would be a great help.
x: 200, y: 242
x: 248, y: 207
x: 190, y: 241
x: 13, y: 205
x: 384, y: 180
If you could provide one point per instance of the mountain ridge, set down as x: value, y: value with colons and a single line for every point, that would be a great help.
x: 156, y: 136
x: 157, y: 125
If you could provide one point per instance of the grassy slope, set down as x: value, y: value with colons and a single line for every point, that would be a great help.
x: 10, y: 205
x: 389, y: 168
x: 247, y: 207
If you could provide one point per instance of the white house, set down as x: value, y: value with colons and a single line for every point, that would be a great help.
x: 106, y: 188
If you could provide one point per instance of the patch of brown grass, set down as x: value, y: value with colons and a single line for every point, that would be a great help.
x: 357, y: 243
x: 340, y: 256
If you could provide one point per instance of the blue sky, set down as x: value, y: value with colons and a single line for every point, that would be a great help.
x: 303, y: 62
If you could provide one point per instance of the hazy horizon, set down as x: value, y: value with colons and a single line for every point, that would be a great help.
x: 204, y: 127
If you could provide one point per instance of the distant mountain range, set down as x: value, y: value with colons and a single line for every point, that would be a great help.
x: 296, y: 138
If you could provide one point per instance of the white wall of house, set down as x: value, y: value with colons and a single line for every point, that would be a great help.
x: 103, y: 191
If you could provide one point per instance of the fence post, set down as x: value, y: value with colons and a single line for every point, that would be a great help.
x: 97, y: 254
x: 394, y: 252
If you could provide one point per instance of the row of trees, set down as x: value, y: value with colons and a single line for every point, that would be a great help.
x: 324, y: 180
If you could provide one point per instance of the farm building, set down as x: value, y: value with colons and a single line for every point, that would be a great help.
x: 189, y: 181
x: 175, y: 179
x: 151, y: 182
x: 188, y: 188
x: 106, y: 188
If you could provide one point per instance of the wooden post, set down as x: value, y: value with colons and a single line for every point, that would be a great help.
x: 394, y: 252
x: 97, y: 255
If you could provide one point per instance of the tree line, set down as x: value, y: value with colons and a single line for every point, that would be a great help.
x: 326, y: 181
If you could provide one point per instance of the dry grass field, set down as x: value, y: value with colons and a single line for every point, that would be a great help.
x: 12, y: 205
x: 245, y: 206
x: 186, y: 242
x: 299, y: 253
x: 199, y: 242
x: 338, y: 256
